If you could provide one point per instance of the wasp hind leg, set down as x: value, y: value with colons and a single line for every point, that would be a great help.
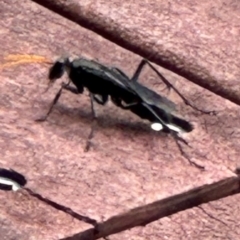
x: 100, y: 99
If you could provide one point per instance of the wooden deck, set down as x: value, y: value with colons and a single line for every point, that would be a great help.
x: 128, y: 165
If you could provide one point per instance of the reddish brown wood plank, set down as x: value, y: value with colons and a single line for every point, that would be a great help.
x: 128, y: 165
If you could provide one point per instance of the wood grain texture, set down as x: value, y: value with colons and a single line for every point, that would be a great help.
x: 128, y: 165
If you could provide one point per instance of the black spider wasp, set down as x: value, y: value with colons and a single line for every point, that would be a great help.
x: 102, y: 82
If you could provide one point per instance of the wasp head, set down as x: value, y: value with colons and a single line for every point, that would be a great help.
x: 58, y: 69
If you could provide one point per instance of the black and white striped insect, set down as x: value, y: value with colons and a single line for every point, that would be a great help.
x: 103, y: 82
x: 11, y: 180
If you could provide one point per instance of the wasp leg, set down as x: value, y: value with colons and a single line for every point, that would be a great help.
x: 167, y: 83
x: 179, y: 139
x: 51, y: 106
x: 118, y: 102
x: 56, y: 98
x: 71, y: 89
x: 93, y: 125
x: 100, y: 99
